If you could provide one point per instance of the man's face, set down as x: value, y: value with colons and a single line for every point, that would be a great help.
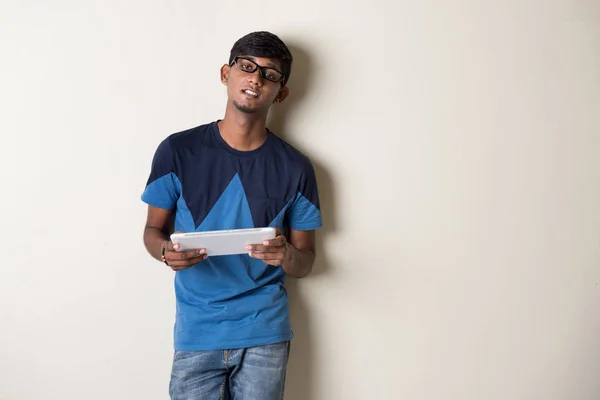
x: 248, y: 90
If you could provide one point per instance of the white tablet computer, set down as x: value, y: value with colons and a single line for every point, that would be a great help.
x: 223, y: 242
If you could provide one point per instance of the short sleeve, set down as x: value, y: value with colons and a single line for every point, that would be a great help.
x: 305, y: 212
x: 162, y: 189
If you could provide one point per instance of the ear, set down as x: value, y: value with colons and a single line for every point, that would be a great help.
x: 284, y: 92
x: 225, y: 74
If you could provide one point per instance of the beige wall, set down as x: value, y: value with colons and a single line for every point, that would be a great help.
x: 456, y: 148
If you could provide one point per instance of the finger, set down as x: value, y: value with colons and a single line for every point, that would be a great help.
x: 183, y: 255
x: 274, y: 259
x: 182, y: 264
x: 278, y: 241
x: 178, y: 261
x: 267, y: 248
x: 266, y: 256
x: 181, y: 268
x: 260, y: 248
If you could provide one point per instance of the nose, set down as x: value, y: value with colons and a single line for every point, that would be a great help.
x: 256, y: 78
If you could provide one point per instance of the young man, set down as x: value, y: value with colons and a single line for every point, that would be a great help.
x: 232, y: 328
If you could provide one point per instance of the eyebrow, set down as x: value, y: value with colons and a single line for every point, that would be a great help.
x: 270, y: 65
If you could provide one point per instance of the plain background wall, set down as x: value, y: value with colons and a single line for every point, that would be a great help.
x: 456, y: 146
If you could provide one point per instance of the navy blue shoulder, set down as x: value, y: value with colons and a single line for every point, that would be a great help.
x: 306, y: 179
x: 289, y: 153
x: 199, y: 136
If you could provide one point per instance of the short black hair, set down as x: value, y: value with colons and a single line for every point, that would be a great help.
x: 265, y: 45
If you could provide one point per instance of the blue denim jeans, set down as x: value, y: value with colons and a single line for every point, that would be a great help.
x: 253, y: 373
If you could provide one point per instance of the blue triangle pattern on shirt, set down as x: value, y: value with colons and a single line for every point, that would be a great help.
x: 231, y: 211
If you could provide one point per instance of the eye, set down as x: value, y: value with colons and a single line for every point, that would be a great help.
x: 272, y: 75
x: 246, y: 65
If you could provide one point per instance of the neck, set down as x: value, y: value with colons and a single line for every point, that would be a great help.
x: 244, y: 132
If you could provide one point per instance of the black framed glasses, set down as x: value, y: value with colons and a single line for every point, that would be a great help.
x: 249, y: 66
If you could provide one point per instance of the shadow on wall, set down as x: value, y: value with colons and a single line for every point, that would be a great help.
x: 301, y: 368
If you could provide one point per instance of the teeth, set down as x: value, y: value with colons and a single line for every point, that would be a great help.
x: 251, y: 93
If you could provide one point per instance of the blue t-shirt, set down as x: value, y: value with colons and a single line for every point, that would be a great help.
x: 231, y: 301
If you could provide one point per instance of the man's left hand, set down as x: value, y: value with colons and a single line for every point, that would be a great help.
x: 272, y: 252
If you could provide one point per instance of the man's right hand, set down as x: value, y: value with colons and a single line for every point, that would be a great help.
x: 159, y: 225
x: 179, y: 260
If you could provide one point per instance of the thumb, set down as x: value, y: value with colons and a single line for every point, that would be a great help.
x: 172, y: 246
x: 175, y: 245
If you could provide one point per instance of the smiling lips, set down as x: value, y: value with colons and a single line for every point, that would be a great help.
x: 251, y: 93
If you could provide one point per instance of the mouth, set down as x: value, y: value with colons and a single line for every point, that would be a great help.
x: 251, y: 93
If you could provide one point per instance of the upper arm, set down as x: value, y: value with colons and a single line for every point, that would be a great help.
x: 160, y: 218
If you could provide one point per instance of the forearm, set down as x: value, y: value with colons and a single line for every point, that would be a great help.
x: 153, y: 240
x: 298, y: 263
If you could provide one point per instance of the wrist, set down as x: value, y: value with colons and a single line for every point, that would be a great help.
x: 162, y: 250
